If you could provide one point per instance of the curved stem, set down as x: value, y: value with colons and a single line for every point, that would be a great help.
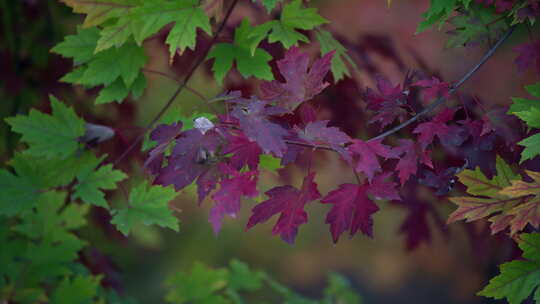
x: 189, y: 75
x: 452, y: 90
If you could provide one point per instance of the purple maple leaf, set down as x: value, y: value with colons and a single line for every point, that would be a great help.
x: 227, y: 198
x: 408, y: 162
x: 192, y: 156
x: 163, y: 135
x: 387, y: 103
x: 433, y: 88
x: 529, y: 55
x: 254, y: 118
x: 290, y: 202
x: 244, y: 152
x: 317, y: 133
x: 300, y: 84
x: 366, y: 155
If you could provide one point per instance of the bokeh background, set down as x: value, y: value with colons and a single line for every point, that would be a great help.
x: 442, y: 264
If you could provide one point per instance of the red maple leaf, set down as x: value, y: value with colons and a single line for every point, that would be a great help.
x: 244, y: 152
x: 411, y: 155
x: 300, y: 84
x: 437, y: 126
x: 366, y: 155
x: 254, y: 119
x: 317, y: 133
x: 529, y: 55
x: 433, y: 88
x: 352, y: 208
x: 227, y: 198
x: 290, y: 202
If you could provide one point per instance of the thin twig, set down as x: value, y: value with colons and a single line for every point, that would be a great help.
x: 189, y: 75
x: 452, y: 90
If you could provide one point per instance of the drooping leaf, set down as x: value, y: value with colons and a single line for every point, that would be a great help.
x: 300, y: 84
x: 518, y: 278
x: 340, y: 59
x: 80, y: 47
x: 411, y: 155
x: 249, y: 62
x: 290, y: 202
x: 50, y: 135
x: 227, y: 198
x: 293, y: 17
x: 99, y: 11
x: 148, y: 205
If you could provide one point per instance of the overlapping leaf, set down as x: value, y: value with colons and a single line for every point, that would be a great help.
x: 340, y: 60
x: 365, y: 154
x: 529, y: 111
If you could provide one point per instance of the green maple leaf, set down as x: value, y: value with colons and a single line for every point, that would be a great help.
x: 438, y: 12
x: 54, y: 135
x: 248, y: 63
x: 99, y: 11
x: 518, y: 278
x: 199, y: 286
x: 243, y: 278
x: 339, y: 290
x: 80, y: 289
x: 529, y: 111
x: 80, y: 47
x: 338, y: 67
x: 293, y: 17
x: 18, y: 193
x: 91, y: 181
x: 147, y: 205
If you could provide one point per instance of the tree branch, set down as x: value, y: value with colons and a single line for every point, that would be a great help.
x: 452, y: 90
x: 189, y: 75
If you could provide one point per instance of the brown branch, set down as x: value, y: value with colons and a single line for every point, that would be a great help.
x: 189, y: 75
x: 452, y: 90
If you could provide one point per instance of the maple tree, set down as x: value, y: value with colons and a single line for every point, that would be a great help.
x: 51, y: 184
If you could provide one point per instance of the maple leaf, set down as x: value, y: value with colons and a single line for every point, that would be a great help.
x: 529, y: 55
x: 529, y: 211
x: 80, y: 289
x: 352, y: 208
x: 244, y: 152
x: 300, y: 84
x: 90, y: 180
x: 249, y: 62
x: 253, y: 117
x: 488, y: 196
x: 227, y: 198
x: 192, y: 155
x: 437, y: 126
x: 269, y: 4
x: 284, y: 30
x: 198, y: 286
x: 365, y: 154
x: 408, y: 162
x: 518, y: 278
x: 433, y: 88
x: 340, y: 59
x: 529, y: 111
x: 317, y: 133
x: 54, y: 135
x: 147, y: 205
x: 163, y: 135
x: 99, y: 11
x: 387, y: 103
x: 290, y: 202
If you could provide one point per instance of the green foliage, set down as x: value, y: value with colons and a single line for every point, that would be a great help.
x: 529, y: 111
x: 293, y: 17
x: 147, y: 205
x: 49, y: 135
x: 238, y: 281
x: 269, y: 4
x: 249, y: 63
x: 339, y: 67
x: 81, y: 289
x: 518, y: 278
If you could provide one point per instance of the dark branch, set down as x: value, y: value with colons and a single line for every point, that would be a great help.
x: 452, y: 90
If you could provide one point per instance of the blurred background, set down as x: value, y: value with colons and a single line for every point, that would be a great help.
x: 414, y: 256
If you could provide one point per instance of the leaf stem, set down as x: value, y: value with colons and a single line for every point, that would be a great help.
x: 189, y: 75
x: 452, y: 90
